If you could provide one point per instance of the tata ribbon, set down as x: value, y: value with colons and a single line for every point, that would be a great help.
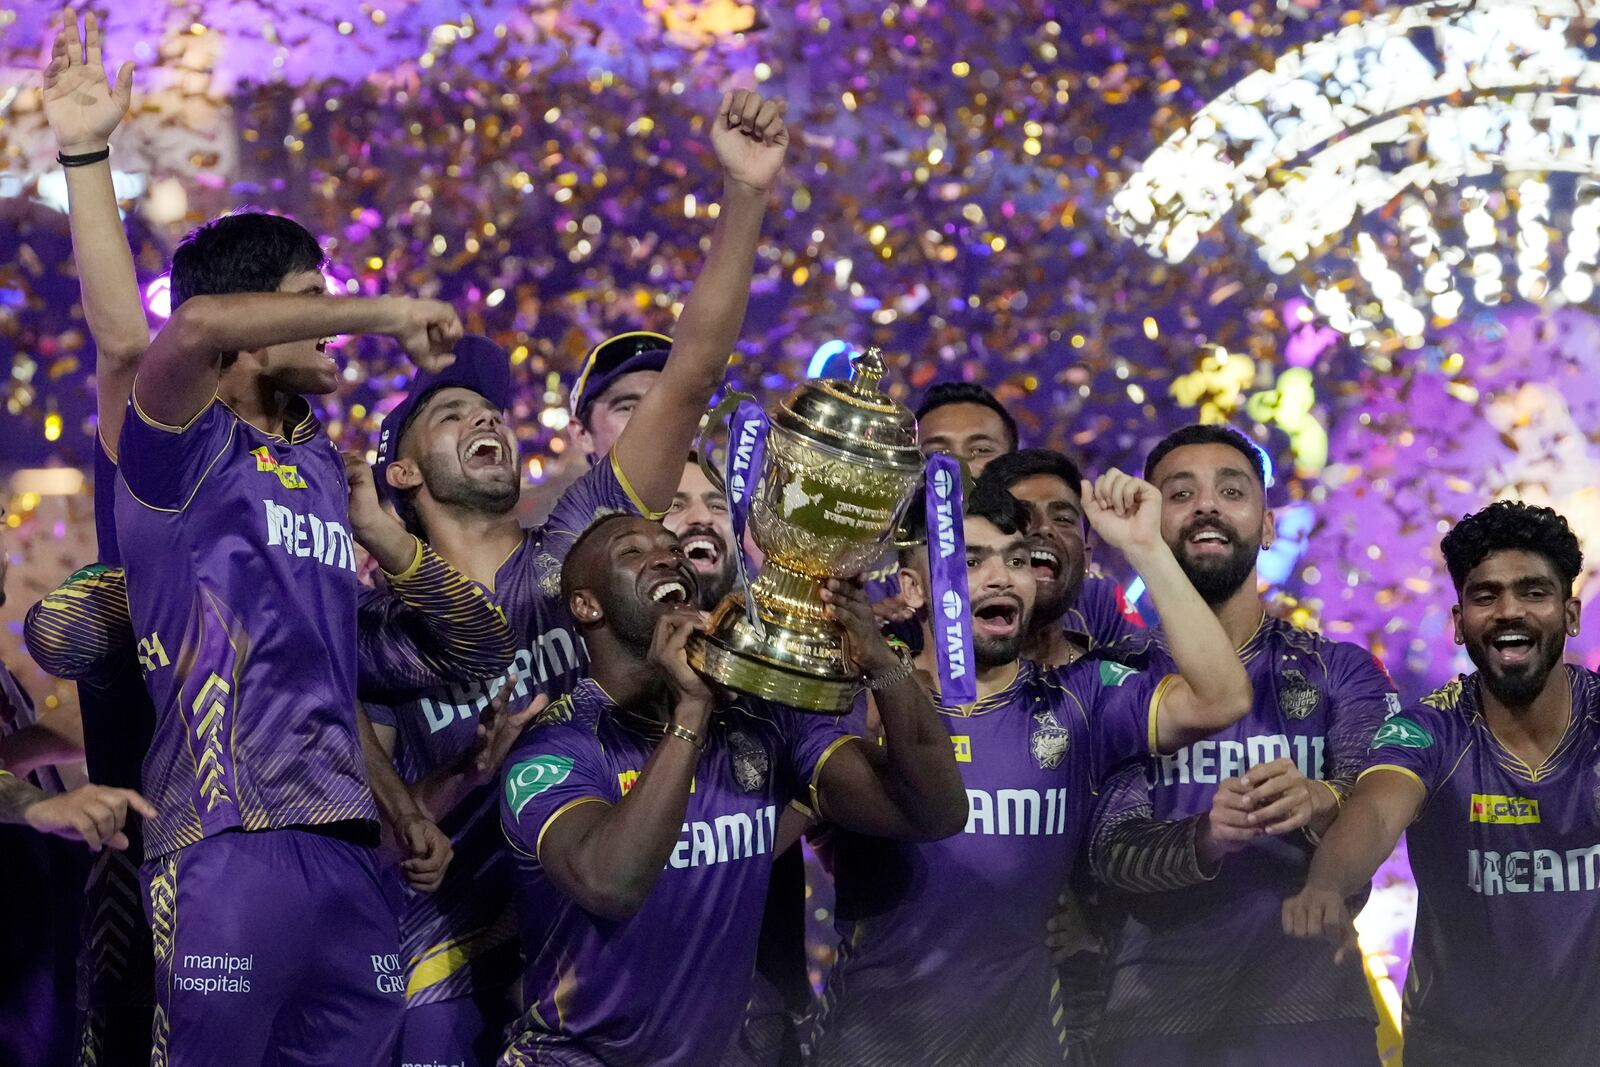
x: 950, y: 605
x: 747, y: 447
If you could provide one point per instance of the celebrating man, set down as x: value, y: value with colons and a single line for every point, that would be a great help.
x: 1493, y: 781
x: 450, y: 463
x: 1204, y: 844
x: 944, y: 960
x: 643, y: 809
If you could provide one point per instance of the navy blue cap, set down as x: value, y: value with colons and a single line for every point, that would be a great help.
x: 481, y: 366
x: 611, y: 359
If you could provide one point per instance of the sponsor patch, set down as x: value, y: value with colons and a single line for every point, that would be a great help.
x: 534, y: 776
x: 1401, y: 732
x: 1493, y: 808
x: 1114, y: 674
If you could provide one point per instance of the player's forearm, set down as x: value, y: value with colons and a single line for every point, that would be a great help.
x: 1146, y: 855
x: 389, y: 791
x: 651, y: 450
x: 106, y: 278
x: 1200, y: 648
x: 620, y: 856
x: 920, y: 772
x: 1356, y: 845
x: 1326, y: 800
x: 17, y: 795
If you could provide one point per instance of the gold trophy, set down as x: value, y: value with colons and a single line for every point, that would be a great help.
x: 841, y: 465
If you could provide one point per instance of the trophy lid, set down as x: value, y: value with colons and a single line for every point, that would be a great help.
x: 854, y: 415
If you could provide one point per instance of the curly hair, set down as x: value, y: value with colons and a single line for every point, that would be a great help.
x: 1512, y: 525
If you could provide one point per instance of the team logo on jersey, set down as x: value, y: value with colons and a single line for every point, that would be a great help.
x: 1049, y: 741
x: 1296, y: 696
x: 534, y: 776
x: 1114, y: 674
x: 751, y: 764
x: 548, y: 570
x: 1401, y: 732
x: 1493, y: 808
x: 288, y: 473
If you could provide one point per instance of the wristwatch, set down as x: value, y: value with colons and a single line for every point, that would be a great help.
x: 894, y: 675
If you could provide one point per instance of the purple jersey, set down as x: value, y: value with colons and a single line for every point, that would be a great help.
x: 242, y: 589
x: 1109, y: 625
x: 944, y: 960
x: 1213, y: 954
x: 606, y: 992
x: 1507, y: 862
x: 463, y: 936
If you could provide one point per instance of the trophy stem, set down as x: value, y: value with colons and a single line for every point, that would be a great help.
x: 788, y: 598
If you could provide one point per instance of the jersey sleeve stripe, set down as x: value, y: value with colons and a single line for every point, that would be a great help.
x: 1154, y: 738
x: 816, y: 775
x: 1407, y: 771
x: 627, y: 487
x: 562, y: 810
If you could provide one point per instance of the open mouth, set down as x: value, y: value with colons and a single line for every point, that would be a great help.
x: 671, y: 591
x: 1046, y: 564
x: 704, y: 552
x: 997, y: 617
x: 1210, y: 540
x: 1513, y: 649
x: 485, y: 452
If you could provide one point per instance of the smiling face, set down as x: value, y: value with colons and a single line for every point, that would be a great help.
x: 645, y: 575
x: 1514, y: 617
x: 1213, y: 515
x: 699, y: 516
x: 1058, y: 552
x: 459, y: 449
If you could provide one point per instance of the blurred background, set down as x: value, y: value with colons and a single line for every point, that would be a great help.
x: 1364, y: 233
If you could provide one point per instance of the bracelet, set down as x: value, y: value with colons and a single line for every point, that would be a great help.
x: 85, y: 159
x: 688, y: 735
x: 894, y: 677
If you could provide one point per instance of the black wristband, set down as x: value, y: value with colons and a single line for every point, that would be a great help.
x: 84, y: 160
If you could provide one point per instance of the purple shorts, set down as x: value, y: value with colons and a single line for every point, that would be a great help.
x: 461, y: 1032
x: 1335, y: 1043
x: 274, y: 946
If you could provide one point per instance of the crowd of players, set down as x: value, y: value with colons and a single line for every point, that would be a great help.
x: 481, y: 810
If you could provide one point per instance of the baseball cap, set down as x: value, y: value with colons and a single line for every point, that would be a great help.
x: 481, y: 366
x: 612, y: 358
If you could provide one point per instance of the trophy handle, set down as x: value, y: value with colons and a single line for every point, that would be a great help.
x: 702, y: 444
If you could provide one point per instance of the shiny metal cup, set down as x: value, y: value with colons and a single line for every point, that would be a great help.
x: 841, y: 465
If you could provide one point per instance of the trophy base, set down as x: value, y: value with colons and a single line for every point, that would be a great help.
x: 776, y: 667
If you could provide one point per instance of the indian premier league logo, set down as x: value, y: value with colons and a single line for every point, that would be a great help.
x: 1049, y: 741
x: 751, y: 764
x: 1296, y: 696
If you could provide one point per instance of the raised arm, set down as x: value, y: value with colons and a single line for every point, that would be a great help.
x: 910, y: 789
x: 750, y: 138
x: 1384, y: 802
x: 1213, y: 690
x: 605, y: 856
x: 179, y: 375
x: 84, y: 108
